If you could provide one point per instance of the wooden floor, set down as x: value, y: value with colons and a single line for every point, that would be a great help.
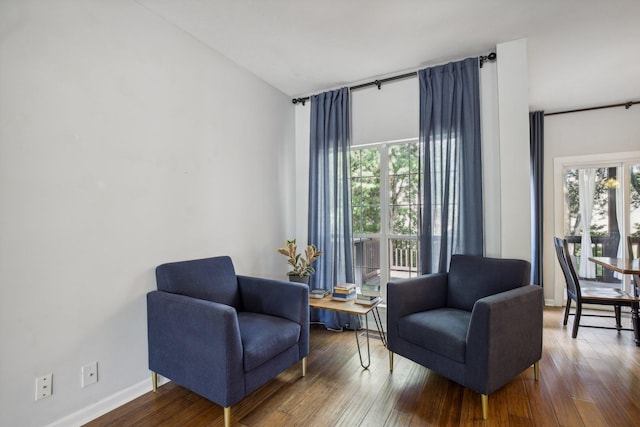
x: 593, y: 380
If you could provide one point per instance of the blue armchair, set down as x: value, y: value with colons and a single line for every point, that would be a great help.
x: 479, y: 325
x: 221, y: 335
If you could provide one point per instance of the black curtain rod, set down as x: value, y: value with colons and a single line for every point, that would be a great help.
x: 490, y: 57
x: 626, y: 105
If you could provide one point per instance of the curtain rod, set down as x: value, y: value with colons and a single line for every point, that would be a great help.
x: 626, y: 105
x: 490, y: 57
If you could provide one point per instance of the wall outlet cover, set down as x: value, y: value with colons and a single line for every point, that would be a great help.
x: 89, y: 374
x: 44, y: 386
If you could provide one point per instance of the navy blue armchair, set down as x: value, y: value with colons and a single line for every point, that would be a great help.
x: 479, y: 325
x: 221, y: 335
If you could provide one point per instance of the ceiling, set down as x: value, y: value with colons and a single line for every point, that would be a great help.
x: 581, y: 53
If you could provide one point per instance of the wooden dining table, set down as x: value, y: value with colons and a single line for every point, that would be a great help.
x: 621, y: 265
x: 625, y: 266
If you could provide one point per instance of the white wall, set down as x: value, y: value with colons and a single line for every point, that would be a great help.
x: 605, y: 132
x: 124, y: 143
x: 391, y: 113
x: 301, y: 178
x: 515, y: 170
x: 490, y: 128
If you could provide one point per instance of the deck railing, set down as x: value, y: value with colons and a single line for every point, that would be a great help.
x: 600, y: 246
x: 367, y: 259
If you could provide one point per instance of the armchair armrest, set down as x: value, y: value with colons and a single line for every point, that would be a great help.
x: 185, y: 337
x: 411, y: 296
x: 289, y: 300
x: 420, y: 293
x: 504, y: 337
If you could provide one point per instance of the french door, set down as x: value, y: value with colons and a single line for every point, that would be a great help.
x: 599, y: 208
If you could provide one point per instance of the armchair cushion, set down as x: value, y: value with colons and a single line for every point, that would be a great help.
x: 442, y: 331
x: 264, y: 337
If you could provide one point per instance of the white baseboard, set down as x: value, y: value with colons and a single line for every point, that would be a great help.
x: 107, y: 404
x: 550, y: 303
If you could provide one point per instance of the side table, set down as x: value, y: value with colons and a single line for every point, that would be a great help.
x: 350, y: 307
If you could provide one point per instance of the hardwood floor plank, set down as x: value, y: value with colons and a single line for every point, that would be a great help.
x: 590, y: 381
x: 590, y: 414
x: 540, y: 403
x: 517, y: 403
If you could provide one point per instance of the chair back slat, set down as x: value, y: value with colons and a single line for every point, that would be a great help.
x: 568, y: 271
x: 633, y: 245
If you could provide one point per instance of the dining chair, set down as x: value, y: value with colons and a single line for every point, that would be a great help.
x: 605, y: 296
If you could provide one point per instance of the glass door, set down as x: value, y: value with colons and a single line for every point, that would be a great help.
x: 601, y: 208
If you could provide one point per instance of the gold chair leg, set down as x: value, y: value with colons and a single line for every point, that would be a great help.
x: 154, y: 381
x: 227, y: 416
x: 391, y: 361
x: 536, y: 370
x: 304, y: 366
x: 485, y: 406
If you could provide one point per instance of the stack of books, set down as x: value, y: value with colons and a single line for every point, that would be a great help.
x: 344, y: 292
x: 368, y: 295
x: 366, y: 300
x: 318, y: 293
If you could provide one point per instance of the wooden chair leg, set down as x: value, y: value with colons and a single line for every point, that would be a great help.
x: 566, y: 311
x: 391, y: 361
x: 576, y: 320
x: 617, y: 311
x: 154, y: 381
x: 485, y: 406
x: 536, y: 370
x: 304, y: 366
x: 227, y: 416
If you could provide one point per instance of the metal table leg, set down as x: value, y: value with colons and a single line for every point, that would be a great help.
x: 378, y: 320
x: 366, y: 322
x: 383, y: 337
x: 636, y: 323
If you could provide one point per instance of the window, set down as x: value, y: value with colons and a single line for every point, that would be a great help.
x: 385, y: 183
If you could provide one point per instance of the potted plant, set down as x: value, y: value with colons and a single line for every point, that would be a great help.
x: 300, y: 265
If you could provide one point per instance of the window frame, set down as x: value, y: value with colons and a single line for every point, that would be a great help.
x: 385, y: 236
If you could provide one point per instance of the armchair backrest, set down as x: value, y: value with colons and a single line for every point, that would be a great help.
x: 474, y: 277
x: 212, y: 279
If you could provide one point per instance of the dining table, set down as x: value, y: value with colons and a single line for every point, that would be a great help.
x: 621, y: 265
x: 625, y: 266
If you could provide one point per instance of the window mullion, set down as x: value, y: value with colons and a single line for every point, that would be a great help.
x: 384, y: 213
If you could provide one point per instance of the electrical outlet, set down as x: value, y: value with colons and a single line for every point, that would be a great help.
x: 89, y: 374
x: 44, y: 386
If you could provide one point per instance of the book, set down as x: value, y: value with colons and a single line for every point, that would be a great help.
x: 347, y: 286
x: 344, y: 297
x: 318, y: 293
x: 342, y: 291
x: 366, y: 297
x: 370, y: 290
x: 367, y: 302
